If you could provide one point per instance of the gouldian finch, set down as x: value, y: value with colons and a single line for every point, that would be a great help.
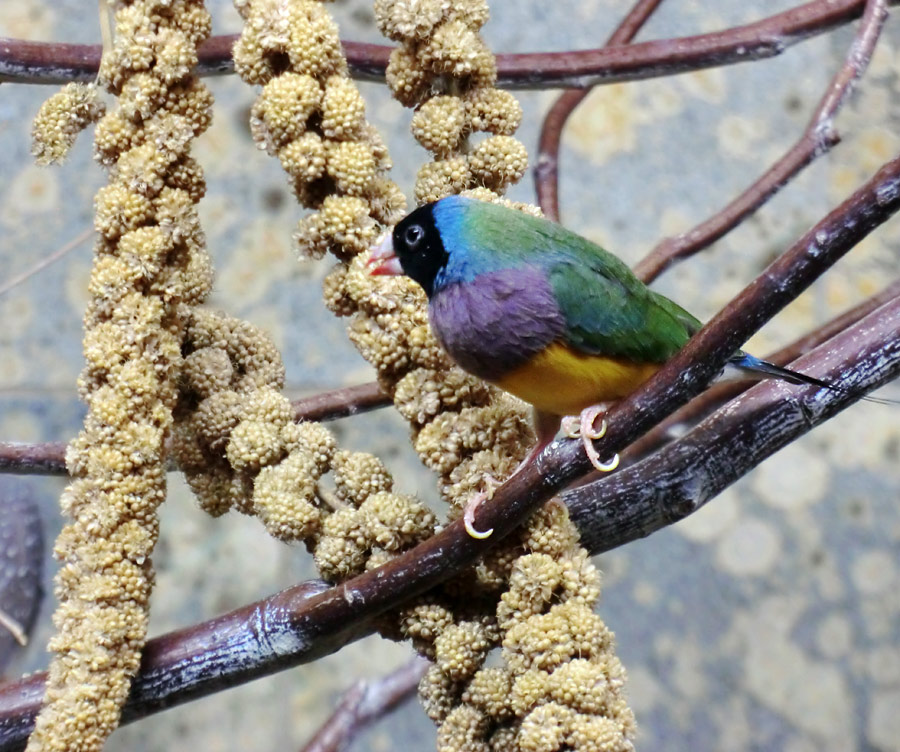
x: 541, y: 312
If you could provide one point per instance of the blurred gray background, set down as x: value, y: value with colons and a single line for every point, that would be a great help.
x: 769, y: 620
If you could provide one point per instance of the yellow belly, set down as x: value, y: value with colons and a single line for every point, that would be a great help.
x: 561, y: 381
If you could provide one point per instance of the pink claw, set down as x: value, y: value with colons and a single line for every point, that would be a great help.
x: 588, y: 434
x: 476, y: 501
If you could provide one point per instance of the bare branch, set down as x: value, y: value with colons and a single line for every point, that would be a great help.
x: 33, y: 458
x: 45, y: 262
x: 53, y: 63
x: 818, y: 138
x: 366, y: 701
x: 49, y: 458
x: 546, y: 171
x: 341, y: 403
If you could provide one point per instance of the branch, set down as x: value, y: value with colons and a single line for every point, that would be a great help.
x: 341, y: 403
x: 53, y: 63
x: 49, y: 458
x: 718, y: 394
x: 546, y: 171
x: 303, y: 623
x: 818, y: 139
x: 367, y: 701
x: 679, y: 479
x: 33, y: 458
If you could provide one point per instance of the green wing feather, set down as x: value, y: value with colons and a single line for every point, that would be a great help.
x: 608, y: 311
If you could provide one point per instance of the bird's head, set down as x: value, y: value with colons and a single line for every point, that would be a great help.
x: 414, y: 248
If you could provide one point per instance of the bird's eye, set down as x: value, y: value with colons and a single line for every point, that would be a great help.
x: 412, y: 236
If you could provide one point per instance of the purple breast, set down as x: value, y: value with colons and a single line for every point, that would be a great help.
x: 497, y: 322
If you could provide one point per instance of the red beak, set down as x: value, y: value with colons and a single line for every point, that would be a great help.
x: 384, y: 259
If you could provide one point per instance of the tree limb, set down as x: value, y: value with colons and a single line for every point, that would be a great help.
x: 718, y: 394
x: 341, y: 403
x: 54, y: 63
x: 680, y: 478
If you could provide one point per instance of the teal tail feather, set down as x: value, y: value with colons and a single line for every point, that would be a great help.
x: 753, y: 365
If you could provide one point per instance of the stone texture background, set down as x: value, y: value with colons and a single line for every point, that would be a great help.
x: 770, y: 620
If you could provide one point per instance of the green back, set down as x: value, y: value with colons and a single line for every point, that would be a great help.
x: 608, y: 311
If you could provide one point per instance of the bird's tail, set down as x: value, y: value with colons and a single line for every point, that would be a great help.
x: 753, y: 365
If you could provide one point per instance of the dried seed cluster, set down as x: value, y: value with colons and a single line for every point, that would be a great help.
x: 440, y: 43
x: 551, y: 642
x: 559, y: 685
x: 61, y: 118
x: 237, y: 442
x: 312, y: 117
x: 150, y: 267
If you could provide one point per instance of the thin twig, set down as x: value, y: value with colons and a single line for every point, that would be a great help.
x: 341, y: 403
x: 546, y: 170
x: 53, y: 63
x: 300, y: 624
x: 45, y: 262
x: 49, y: 457
x: 13, y: 627
x: 366, y: 701
x: 817, y: 139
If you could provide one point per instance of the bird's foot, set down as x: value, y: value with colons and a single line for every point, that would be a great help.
x: 491, y: 484
x: 582, y: 428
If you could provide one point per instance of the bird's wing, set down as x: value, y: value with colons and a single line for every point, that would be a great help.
x: 607, y: 310
x: 610, y: 312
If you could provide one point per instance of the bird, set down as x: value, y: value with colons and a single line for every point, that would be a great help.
x: 543, y: 313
